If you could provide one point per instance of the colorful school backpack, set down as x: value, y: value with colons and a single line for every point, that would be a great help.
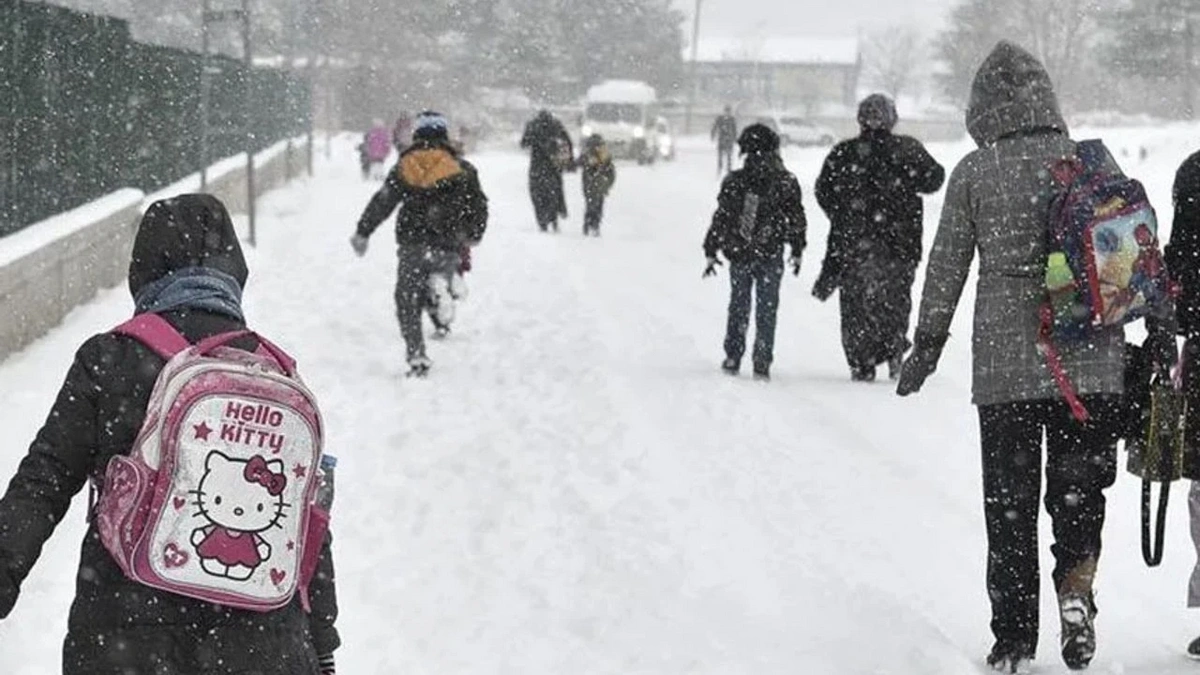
x: 216, y: 501
x: 1104, y: 267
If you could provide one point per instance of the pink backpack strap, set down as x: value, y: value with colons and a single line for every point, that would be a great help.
x: 156, y: 333
x: 1057, y: 370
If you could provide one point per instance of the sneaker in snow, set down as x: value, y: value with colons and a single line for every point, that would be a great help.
x: 1077, y: 613
x: 865, y: 374
x: 441, y: 301
x: 762, y: 374
x: 1193, y: 649
x: 418, y: 366
x: 730, y: 367
x: 441, y: 332
x: 458, y: 286
x: 1011, y: 658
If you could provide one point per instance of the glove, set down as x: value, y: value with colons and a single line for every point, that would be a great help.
x: 359, y: 244
x: 927, y: 349
x: 711, y: 270
x: 826, y: 284
x: 326, y: 665
x: 794, y: 262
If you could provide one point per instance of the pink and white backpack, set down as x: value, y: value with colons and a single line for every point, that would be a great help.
x: 217, y: 499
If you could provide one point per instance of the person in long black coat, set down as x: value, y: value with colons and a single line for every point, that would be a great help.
x: 870, y: 187
x: 550, y: 153
x: 187, y: 267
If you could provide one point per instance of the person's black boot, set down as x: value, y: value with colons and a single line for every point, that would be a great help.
x: 1193, y: 649
x: 1011, y: 657
x: 862, y: 374
x: 762, y: 373
x: 730, y: 367
x: 1077, y: 613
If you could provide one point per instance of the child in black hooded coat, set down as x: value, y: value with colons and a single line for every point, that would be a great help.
x: 187, y: 267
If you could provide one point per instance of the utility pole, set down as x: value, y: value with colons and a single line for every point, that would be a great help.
x: 246, y: 119
x: 228, y: 15
x: 692, y: 84
x: 205, y: 93
x: 314, y: 18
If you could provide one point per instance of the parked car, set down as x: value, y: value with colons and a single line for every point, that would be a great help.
x: 794, y: 130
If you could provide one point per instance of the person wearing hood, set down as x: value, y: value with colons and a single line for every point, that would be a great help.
x: 442, y: 208
x: 550, y: 153
x: 599, y: 174
x: 871, y: 187
x: 187, y: 267
x: 997, y: 205
x: 759, y: 209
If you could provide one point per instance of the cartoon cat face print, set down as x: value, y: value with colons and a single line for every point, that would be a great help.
x: 242, y: 495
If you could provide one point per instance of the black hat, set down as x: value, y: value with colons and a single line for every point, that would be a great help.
x: 758, y: 139
x: 877, y: 113
x: 431, y: 126
x: 191, y: 230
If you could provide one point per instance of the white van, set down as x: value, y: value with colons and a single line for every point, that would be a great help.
x: 625, y: 113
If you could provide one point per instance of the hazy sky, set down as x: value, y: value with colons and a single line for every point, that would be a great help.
x: 736, y: 18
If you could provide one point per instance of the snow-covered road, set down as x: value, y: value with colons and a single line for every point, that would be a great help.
x: 576, y: 489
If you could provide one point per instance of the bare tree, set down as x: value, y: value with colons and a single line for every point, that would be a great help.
x: 1058, y: 32
x: 894, y: 59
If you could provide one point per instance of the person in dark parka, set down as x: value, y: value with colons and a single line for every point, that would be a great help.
x: 550, y: 153
x: 1183, y: 261
x: 725, y: 132
x: 759, y: 209
x: 599, y: 174
x: 871, y: 187
x: 440, y: 209
x: 187, y: 266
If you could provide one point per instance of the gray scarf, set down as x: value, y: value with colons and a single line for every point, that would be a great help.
x: 202, y: 288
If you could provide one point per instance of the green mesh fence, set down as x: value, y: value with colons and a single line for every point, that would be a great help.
x: 85, y: 110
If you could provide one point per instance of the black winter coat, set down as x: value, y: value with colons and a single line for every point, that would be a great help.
x: 117, y: 626
x: 760, y: 208
x: 1183, y: 252
x: 545, y: 137
x: 725, y: 131
x: 870, y: 187
x: 599, y: 173
x: 441, y: 201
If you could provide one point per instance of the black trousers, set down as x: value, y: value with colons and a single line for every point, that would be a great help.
x: 1080, y: 462
x: 724, y: 158
x: 594, y: 214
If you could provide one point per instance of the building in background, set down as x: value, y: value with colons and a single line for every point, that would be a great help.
x: 814, y: 76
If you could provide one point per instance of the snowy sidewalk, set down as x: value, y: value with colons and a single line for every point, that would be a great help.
x: 576, y: 489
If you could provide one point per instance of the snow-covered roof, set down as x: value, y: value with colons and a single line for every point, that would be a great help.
x: 796, y: 50
x: 622, y: 91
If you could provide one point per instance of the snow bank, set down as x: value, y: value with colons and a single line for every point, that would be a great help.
x: 51, y: 267
x: 46, y: 232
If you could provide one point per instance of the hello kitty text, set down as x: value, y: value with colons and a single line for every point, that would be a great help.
x: 252, y: 424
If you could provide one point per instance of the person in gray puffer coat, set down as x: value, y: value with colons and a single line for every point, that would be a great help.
x: 997, y: 204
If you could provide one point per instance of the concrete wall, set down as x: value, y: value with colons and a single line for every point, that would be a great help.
x: 48, y: 269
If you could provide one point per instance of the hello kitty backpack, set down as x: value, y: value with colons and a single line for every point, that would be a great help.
x: 216, y: 501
